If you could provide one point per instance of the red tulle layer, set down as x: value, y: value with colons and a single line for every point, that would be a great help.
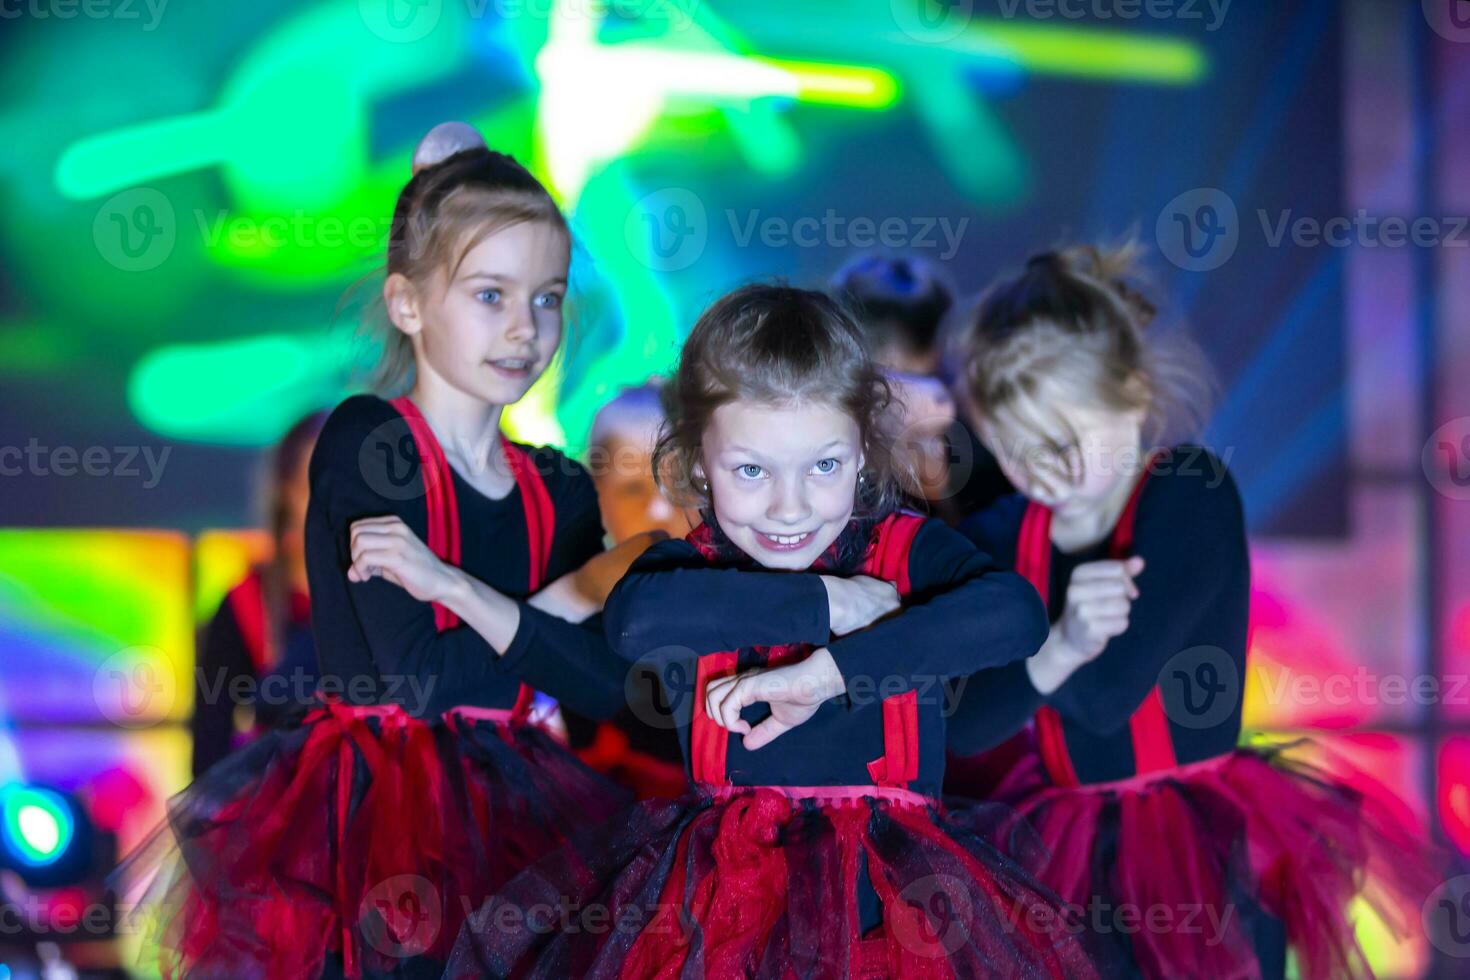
x: 361, y: 836
x: 758, y: 883
x: 1205, y: 847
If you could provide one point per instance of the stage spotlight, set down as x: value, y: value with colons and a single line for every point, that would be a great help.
x: 45, y: 835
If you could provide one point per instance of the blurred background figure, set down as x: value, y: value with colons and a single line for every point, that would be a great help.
x: 257, y: 662
x: 638, y: 748
x: 620, y: 456
x: 902, y: 303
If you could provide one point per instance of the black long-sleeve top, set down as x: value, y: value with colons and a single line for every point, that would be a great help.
x: 378, y: 644
x: 226, y: 678
x: 963, y: 613
x: 1193, y: 601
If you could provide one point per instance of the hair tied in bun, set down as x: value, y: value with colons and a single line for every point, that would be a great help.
x: 443, y: 142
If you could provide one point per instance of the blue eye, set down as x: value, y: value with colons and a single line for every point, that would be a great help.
x: 746, y: 471
x: 490, y: 296
x: 549, y: 301
x: 827, y: 466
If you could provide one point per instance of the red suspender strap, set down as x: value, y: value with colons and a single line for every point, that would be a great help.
x: 540, y: 525
x: 439, y: 500
x: 247, y: 604
x: 1153, y: 748
x: 708, y: 742
x: 889, y: 560
x: 443, y: 515
x: 1153, y: 745
x: 1033, y: 563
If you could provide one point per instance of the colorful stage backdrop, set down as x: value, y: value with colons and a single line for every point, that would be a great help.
x: 196, y: 199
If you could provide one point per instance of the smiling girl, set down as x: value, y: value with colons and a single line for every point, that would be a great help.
x: 804, y: 632
x: 353, y: 843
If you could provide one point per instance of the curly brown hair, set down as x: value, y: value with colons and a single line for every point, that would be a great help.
x: 776, y: 344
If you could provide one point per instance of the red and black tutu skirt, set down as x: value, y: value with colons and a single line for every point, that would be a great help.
x: 770, y: 882
x: 354, y: 843
x: 1187, y: 868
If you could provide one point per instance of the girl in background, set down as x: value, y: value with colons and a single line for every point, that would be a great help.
x: 637, y: 748
x: 352, y: 844
x: 902, y: 302
x: 262, y: 629
x: 812, y: 723
x: 1128, y: 764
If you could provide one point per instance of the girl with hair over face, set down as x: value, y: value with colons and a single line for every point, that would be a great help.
x: 1127, y: 760
x: 439, y: 555
x: 806, y: 633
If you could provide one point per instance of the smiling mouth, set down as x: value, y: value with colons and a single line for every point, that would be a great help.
x: 512, y: 365
x: 783, y: 542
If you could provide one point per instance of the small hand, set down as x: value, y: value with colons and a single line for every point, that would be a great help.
x: 794, y: 692
x: 859, y: 601
x: 1099, y: 599
x: 386, y: 547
